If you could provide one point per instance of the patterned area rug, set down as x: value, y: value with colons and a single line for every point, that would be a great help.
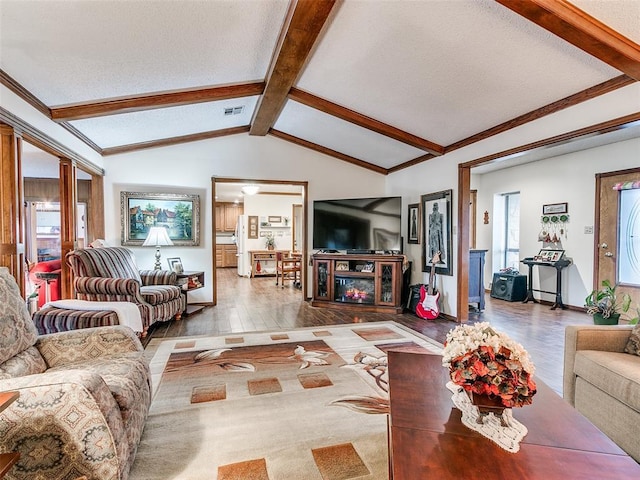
x: 307, y: 403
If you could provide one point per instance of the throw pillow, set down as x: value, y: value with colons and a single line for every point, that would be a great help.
x: 17, y: 330
x: 633, y: 344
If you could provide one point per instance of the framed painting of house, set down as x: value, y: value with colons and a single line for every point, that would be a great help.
x: 178, y: 213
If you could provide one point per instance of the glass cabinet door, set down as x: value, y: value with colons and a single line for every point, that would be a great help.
x: 322, y: 284
x: 387, y: 283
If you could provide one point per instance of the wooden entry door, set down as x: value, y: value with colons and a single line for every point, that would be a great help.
x: 607, y: 239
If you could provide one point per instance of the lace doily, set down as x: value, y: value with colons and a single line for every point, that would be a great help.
x: 508, y: 437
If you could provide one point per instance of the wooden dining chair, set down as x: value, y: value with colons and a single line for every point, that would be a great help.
x: 287, y: 268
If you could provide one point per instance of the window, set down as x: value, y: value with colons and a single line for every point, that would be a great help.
x: 507, y: 231
x: 629, y: 238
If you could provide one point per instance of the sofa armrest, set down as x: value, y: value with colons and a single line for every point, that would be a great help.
x: 607, y: 338
x: 71, y: 418
x: 74, y: 346
x: 108, y: 289
x: 158, y: 277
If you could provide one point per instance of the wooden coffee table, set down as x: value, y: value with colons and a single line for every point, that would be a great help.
x: 428, y: 439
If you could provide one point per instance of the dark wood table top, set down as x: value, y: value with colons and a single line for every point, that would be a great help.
x: 7, y: 460
x: 429, y: 440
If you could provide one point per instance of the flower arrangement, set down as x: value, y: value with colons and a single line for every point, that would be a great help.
x: 484, y: 361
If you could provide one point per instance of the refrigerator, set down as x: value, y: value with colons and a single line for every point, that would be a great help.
x: 240, y: 238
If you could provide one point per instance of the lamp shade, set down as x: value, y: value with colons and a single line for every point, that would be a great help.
x: 157, y: 237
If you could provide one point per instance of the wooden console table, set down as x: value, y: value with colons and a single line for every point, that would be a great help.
x: 258, y: 256
x: 7, y: 460
x: 559, y: 265
x: 429, y: 440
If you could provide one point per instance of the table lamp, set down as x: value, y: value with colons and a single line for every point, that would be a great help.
x: 157, y: 237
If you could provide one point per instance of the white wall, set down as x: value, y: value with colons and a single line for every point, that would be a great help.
x: 188, y: 168
x: 272, y: 205
x: 441, y: 173
x: 567, y: 178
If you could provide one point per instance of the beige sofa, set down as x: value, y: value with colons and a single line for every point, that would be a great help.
x: 84, y: 396
x: 603, y: 382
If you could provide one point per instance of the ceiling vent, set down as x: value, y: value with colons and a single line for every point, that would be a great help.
x: 233, y: 110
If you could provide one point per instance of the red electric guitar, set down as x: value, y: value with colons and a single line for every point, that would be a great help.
x: 428, y: 307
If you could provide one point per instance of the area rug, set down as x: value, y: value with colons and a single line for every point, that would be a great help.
x: 301, y: 404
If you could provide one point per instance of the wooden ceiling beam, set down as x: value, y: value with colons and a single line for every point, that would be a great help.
x: 597, y: 129
x: 581, y: 30
x: 575, y: 99
x: 137, y: 103
x: 363, y: 121
x: 304, y: 22
x: 165, y: 142
x: 328, y: 151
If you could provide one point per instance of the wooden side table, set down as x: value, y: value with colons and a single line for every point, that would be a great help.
x: 192, y: 280
x: 7, y: 460
x: 264, y: 256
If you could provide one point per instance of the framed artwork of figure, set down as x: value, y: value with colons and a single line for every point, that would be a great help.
x: 413, y: 229
x: 436, y: 231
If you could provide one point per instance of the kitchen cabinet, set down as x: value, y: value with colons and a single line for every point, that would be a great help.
x: 227, y: 216
x: 226, y: 256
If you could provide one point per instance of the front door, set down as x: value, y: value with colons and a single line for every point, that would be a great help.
x: 617, y: 254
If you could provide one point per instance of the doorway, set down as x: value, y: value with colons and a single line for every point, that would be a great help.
x: 297, y: 227
x: 617, y: 235
x: 290, y: 200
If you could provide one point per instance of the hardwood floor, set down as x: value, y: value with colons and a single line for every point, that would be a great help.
x: 248, y: 305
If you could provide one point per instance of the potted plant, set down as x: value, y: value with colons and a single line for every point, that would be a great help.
x: 605, y: 306
x: 269, y: 241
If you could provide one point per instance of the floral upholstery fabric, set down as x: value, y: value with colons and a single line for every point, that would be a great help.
x: 84, y: 397
x: 64, y: 425
x: 27, y: 362
x: 17, y: 331
x: 633, y: 344
x: 69, y: 348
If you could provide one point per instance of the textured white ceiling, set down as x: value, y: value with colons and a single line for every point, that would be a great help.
x: 161, y: 123
x: 444, y: 70
x: 341, y: 136
x: 621, y: 15
x: 441, y: 70
x: 73, y: 51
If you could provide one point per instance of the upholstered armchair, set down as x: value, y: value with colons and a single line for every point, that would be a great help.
x: 83, y: 397
x: 110, y: 274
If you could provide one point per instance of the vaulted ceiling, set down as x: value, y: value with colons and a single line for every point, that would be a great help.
x: 380, y: 84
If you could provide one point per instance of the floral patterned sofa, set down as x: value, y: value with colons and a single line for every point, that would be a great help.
x: 84, y: 396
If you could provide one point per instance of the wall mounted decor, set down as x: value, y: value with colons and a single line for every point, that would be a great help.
x: 436, y: 231
x: 178, y: 213
x: 413, y: 229
x: 555, y: 208
x: 253, y: 227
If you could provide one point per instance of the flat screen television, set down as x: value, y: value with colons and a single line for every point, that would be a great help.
x: 358, y: 224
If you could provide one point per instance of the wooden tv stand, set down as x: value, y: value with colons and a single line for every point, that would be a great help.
x: 370, y: 283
